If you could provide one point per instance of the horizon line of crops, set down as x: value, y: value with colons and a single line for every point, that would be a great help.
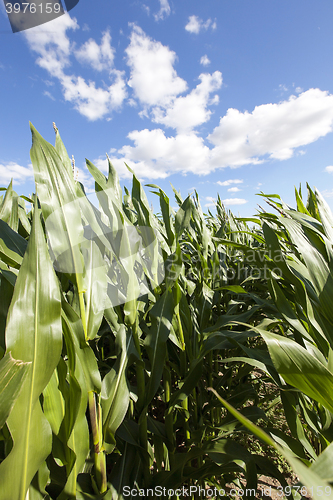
x: 117, y: 365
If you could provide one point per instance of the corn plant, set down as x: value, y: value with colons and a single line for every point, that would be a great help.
x: 115, y: 321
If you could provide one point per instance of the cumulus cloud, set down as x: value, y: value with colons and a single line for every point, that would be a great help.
x: 164, y: 10
x: 204, y: 60
x: 54, y: 48
x: 16, y: 172
x: 234, y: 190
x: 154, y: 155
x: 329, y: 169
x: 153, y: 77
x: 272, y: 129
x: 234, y: 201
x: 157, y: 86
x: 186, y: 113
x: 195, y: 25
x: 92, y: 102
x: 230, y: 181
x: 100, y: 57
x: 51, y: 43
x: 211, y: 201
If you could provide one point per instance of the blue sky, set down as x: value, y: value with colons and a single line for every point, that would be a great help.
x: 223, y: 96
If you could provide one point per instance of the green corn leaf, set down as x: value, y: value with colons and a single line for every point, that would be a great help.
x: 12, y: 376
x: 58, y: 195
x: 167, y: 217
x: 155, y: 342
x: 33, y: 334
x: 7, y: 282
x: 287, y: 311
x: 62, y: 152
x: 325, y: 214
x: 300, y: 368
x: 323, y: 466
x: 183, y: 216
x: 9, y: 208
x: 12, y: 246
x: 115, y: 392
x: 95, y: 279
x: 65, y: 207
x: 308, y: 477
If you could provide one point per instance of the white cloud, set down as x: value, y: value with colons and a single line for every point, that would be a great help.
x: 186, y: 113
x: 157, y: 86
x: 195, y: 25
x: 92, y: 102
x: 48, y: 94
x: 156, y: 156
x: 100, y: 57
x: 283, y: 87
x: 272, y: 129
x: 164, y: 10
x: 298, y: 90
x: 329, y: 169
x: 234, y: 190
x: 146, y: 9
x: 16, y: 172
x: 204, y: 60
x: 230, y: 181
x: 234, y: 201
x: 327, y: 193
x: 153, y: 77
x: 211, y: 201
x: 51, y: 43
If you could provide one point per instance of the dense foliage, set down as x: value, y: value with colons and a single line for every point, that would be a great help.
x: 136, y: 348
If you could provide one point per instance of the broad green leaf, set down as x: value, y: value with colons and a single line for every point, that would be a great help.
x: 115, y: 392
x: 78, y: 348
x: 58, y: 198
x: 167, y: 217
x: 325, y: 214
x: 12, y: 376
x: 309, y: 478
x: 323, y: 466
x: 155, y: 341
x: 183, y: 216
x: 300, y: 368
x: 286, y: 310
x: 7, y: 281
x: 95, y: 279
x: 9, y: 208
x: 33, y: 334
x: 65, y: 208
x: 12, y: 246
x: 62, y: 152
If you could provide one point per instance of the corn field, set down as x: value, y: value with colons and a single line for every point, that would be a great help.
x: 136, y: 347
